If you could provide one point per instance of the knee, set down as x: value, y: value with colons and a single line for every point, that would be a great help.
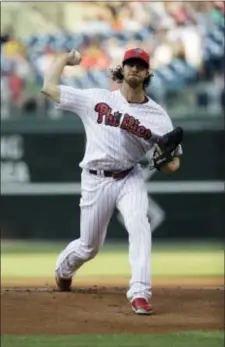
x: 88, y: 252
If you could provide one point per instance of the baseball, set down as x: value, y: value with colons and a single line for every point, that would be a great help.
x: 77, y: 56
x: 74, y: 58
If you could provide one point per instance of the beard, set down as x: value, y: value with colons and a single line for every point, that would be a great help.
x: 133, y: 81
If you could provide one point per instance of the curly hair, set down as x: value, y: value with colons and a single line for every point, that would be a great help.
x: 117, y: 76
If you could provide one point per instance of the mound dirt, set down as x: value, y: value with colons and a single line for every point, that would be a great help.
x: 43, y: 310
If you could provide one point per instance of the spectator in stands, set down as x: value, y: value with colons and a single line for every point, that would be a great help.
x: 94, y: 55
x: 168, y: 30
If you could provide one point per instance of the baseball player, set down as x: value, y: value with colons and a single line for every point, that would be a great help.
x: 120, y: 127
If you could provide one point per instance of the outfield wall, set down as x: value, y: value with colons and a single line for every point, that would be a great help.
x: 40, y: 184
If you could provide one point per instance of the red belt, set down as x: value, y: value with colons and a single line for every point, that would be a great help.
x: 117, y: 175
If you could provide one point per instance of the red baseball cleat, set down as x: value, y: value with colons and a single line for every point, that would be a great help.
x: 63, y: 284
x: 141, y: 306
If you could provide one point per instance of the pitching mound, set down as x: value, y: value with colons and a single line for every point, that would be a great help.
x: 106, y: 310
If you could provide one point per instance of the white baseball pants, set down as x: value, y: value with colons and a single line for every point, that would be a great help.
x: 99, y: 198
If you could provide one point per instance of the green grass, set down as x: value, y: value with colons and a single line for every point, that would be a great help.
x: 18, y: 246
x: 37, y: 259
x: 193, y: 339
x: 116, y: 264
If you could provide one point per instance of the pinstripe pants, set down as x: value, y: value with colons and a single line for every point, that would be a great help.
x: 99, y: 198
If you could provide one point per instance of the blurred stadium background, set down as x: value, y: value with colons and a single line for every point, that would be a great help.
x: 41, y: 146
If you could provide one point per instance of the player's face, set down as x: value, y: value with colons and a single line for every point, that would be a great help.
x: 135, y: 71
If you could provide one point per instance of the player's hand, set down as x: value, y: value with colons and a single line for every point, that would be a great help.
x: 158, y: 151
x: 172, y: 166
x: 73, y: 58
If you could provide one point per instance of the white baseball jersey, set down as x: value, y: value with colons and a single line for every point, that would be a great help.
x: 118, y: 132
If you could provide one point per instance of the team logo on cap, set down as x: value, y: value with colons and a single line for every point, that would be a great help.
x: 138, y: 51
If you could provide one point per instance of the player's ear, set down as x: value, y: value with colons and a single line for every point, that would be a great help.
x: 150, y: 73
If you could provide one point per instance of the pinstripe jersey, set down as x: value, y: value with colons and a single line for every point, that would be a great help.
x: 118, y: 133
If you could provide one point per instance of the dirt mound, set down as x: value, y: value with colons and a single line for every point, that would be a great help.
x: 106, y: 310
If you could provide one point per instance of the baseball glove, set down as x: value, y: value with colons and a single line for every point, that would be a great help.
x: 167, y: 148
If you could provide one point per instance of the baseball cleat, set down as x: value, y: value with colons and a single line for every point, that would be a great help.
x: 141, y: 306
x: 63, y: 284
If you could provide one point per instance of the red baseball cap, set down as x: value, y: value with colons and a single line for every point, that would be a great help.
x: 136, y: 53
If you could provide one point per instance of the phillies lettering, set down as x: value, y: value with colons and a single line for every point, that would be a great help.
x: 104, y: 110
x: 129, y: 123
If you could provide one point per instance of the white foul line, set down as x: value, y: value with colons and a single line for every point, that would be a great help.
x: 176, y: 187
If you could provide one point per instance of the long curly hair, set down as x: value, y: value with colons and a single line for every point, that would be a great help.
x: 117, y: 76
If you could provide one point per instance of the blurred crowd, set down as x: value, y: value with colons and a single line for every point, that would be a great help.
x: 177, y: 29
x: 170, y: 31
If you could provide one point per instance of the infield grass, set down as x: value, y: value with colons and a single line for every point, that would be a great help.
x: 19, y: 259
x: 187, y: 339
x: 38, y: 246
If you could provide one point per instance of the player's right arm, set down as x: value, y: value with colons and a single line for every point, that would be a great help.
x: 51, y: 86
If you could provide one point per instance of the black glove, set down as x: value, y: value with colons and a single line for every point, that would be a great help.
x: 166, y: 147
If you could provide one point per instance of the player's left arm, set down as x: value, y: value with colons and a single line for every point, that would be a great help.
x: 172, y: 166
x: 174, y: 162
